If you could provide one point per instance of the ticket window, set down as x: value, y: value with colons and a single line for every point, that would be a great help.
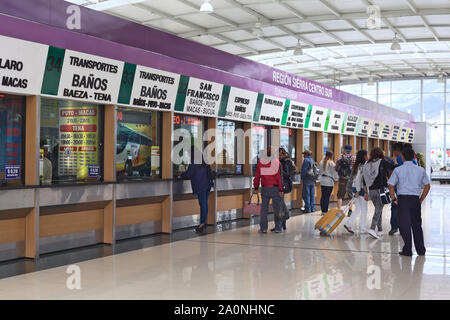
x: 328, y: 143
x: 359, y: 143
x: 306, y: 140
x: 260, y: 141
x: 288, y: 140
x: 12, y: 138
x: 138, y: 146
x: 71, y: 145
x: 371, y: 144
x: 227, y: 145
x: 196, y: 127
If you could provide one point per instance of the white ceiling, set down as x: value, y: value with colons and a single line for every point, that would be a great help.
x: 325, y: 28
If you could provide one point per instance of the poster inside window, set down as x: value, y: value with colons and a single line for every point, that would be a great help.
x: 12, y: 137
x: 196, y: 126
x: 328, y: 143
x: 71, y: 145
x: 288, y: 141
x: 138, y: 146
x: 227, y: 147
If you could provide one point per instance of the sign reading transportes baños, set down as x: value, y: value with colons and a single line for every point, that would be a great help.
x: 22, y: 66
x: 351, y: 124
x: 297, y: 115
x: 335, y: 121
x: 240, y: 106
x: 152, y: 89
x: 364, y: 127
x: 317, y: 118
x: 271, y: 110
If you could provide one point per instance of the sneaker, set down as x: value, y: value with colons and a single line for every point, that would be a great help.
x: 262, y: 231
x: 363, y: 231
x: 348, y: 229
x: 380, y: 234
x: 373, y: 234
x: 393, y: 231
x: 305, y: 211
x: 405, y: 254
x: 350, y: 213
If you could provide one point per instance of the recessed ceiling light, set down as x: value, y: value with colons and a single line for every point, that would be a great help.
x: 206, y: 7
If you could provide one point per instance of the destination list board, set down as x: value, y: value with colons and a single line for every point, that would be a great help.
x: 351, y: 124
x: 364, y: 127
x: 271, y: 110
x: 297, y: 115
x: 410, y: 138
x: 203, y: 98
x: 317, y: 118
x: 386, y: 132
x: 90, y: 78
x: 153, y: 89
x: 22, y: 65
x: 335, y: 121
x: 395, y: 132
x: 241, y: 105
x: 375, y: 130
x: 403, y: 134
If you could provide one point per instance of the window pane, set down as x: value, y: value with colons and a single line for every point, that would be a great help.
x: 372, y: 97
x: 369, y: 90
x: 436, y: 146
x: 71, y: 141
x: 288, y: 139
x: 196, y: 127
x: 227, y: 147
x: 447, y: 132
x: 352, y: 88
x: 409, y: 103
x: 433, y: 107
x: 12, y: 133
x: 448, y: 108
x: 406, y: 86
x: 384, y: 99
x: 138, y: 148
x: 306, y: 140
x: 259, y: 141
x: 432, y: 85
x: 328, y: 142
x: 384, y: 87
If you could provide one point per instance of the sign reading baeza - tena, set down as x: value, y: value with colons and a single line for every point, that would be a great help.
x: 154, y: 89
x: 203, y: 97
x: 241, y: 104
x: 90, y: 78
x: 271, y: 110
x: 22, y: 65
x: 351, y: 124
x: 297, y: 115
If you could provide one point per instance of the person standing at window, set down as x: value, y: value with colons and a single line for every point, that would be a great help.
x: 375, y: 173
x: 268, y: 174
x: 327, y: 178
x: 309, y: 182
x: 360, y: 197
x: 201, y: 176
x: 410, y: 179
x: 344, y: 166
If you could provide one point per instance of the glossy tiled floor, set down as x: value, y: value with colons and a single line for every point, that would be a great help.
x: 242, y: 264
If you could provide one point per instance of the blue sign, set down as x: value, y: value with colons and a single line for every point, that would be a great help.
x: 93, y: 171
x: 239, y: 169
x: 12, y: 172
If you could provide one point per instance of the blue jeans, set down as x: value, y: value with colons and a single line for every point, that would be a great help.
x: 394, y: 216
x: 203, y: 202
x: 308, y: 196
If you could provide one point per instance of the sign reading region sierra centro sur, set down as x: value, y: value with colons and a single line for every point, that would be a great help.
x: 335, y: 120
x: 317, y: 119
x: 351, y: 124
x: 297, y: 115
x: 202, y: 98
x: 152, y: 89
x: 241, y: 105
x: 22, y: 66
x: 82, y: 76
x: 271, y: 110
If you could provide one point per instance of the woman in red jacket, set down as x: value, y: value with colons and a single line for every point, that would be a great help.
x: 268, y: 173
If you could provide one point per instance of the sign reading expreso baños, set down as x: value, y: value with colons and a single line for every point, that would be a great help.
x: 32, y: 69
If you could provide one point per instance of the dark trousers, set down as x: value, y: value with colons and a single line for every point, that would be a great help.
x: 325, y: 199
x: 394, y: 216
x: 203, y: 202
x: 268, y: 193
x: 409, y: 217
x: 308, y: 196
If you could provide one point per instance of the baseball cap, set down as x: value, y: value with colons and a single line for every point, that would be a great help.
x: 348, y: 148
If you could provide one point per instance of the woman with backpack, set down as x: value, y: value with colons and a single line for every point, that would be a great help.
x: 375, y: 173
x: 328, y: 177
x: 201, y: 176
x: 360, y: 198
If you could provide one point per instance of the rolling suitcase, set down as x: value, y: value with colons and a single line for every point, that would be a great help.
x: 332, y: 219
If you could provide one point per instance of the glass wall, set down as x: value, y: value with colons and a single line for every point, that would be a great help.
x: 306, y: 140
x: 227, y: 147
x: 426, y: 99
x: 138, y: 148
x: 288, y: 140
x: 71, y: 141
x: 328, y: 143
x: 196, y: 126
x: 12, y: 136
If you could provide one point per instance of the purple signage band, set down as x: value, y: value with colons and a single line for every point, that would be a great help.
x: 131, y: 42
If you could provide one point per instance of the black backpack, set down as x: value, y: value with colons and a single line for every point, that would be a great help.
x: 345, y: 167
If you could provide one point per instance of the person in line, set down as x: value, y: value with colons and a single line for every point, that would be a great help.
x: 200, y: 175
x: 47, y: 166
x: 267, y: 174
x: 360, y: 197
x: 395, y: 160
x: 328, y: 177
x: 288, y: 169
x: 410, y: 179
x: 375, y: 173
x: 344, y: 166
x: 308, y: 187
